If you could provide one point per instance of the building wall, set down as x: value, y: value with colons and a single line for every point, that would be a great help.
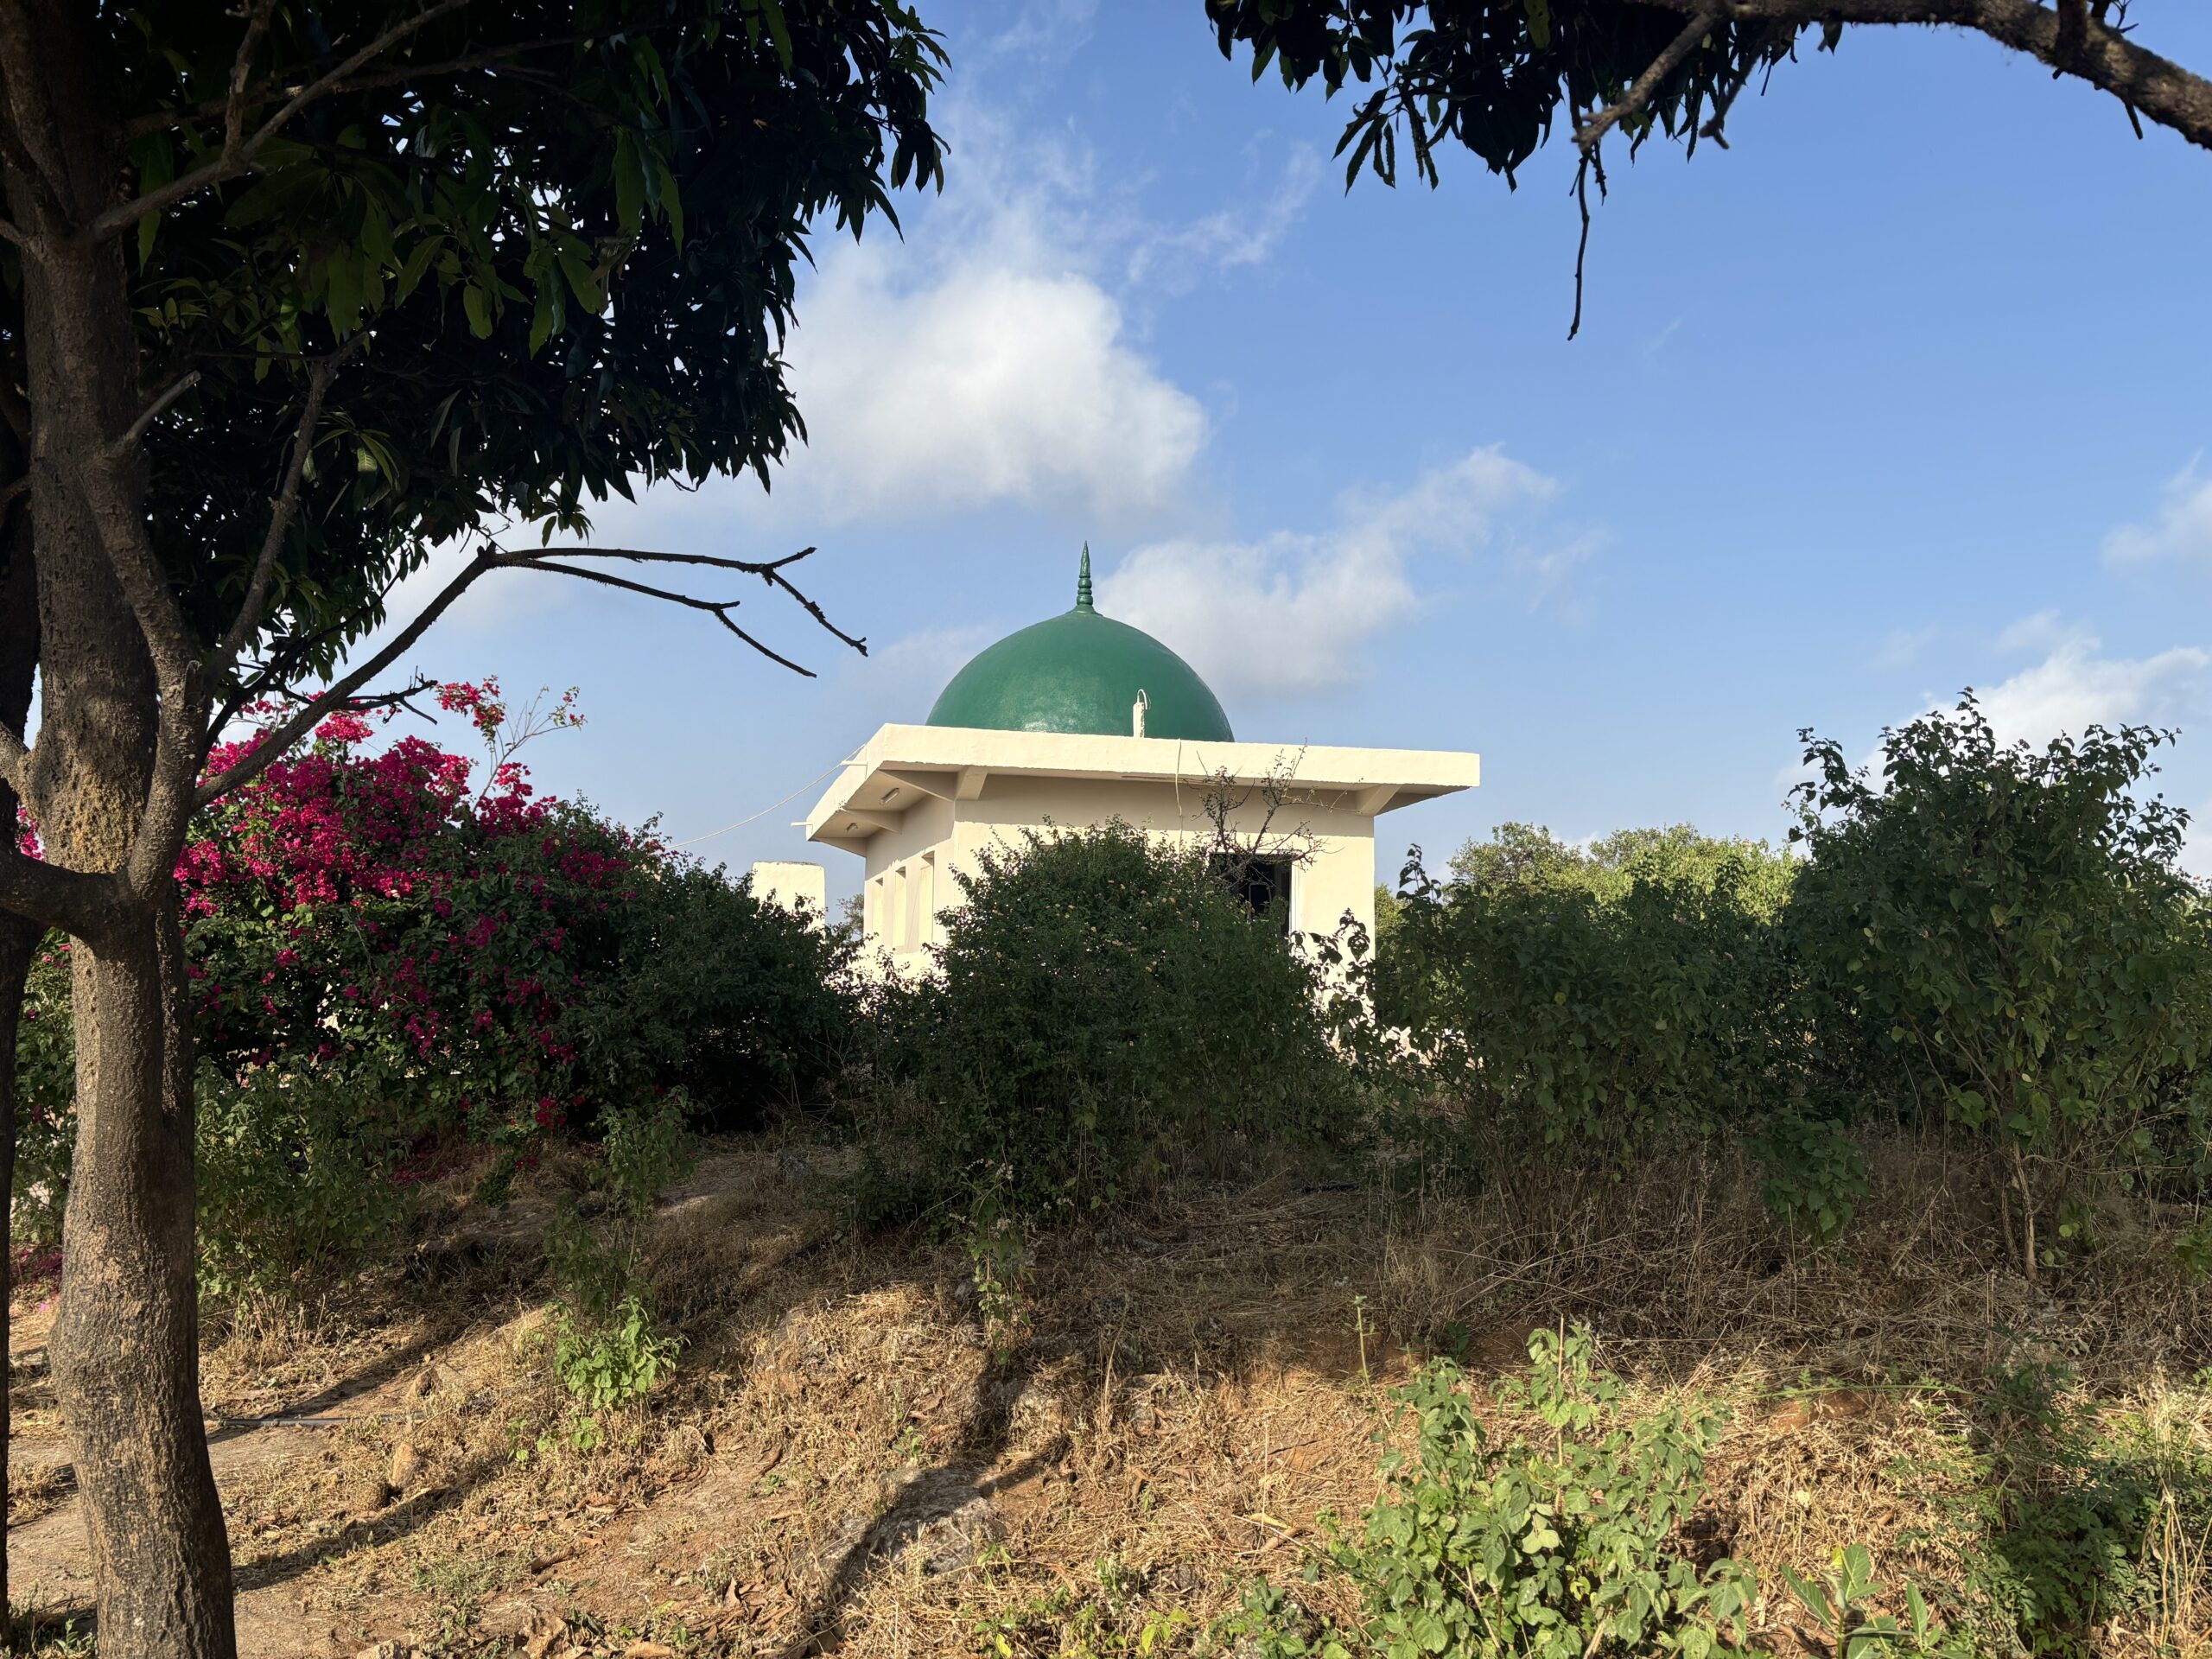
x: 793, y: 886
x: 913, y: 872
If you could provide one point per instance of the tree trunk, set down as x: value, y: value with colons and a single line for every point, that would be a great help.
x: 18, y: 941
x: 19, y: 938
x: 126, y: 1342
x: 125, y: 1346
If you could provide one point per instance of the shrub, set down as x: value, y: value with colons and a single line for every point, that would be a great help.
x: 294, y: 1170
x: 740, y: 1003
x: 1096, y: 993
x: 1489, y: 1540
x: 1589, y: 1010
x: 46, y: 1097
x: 384, y: 952
x: 2008, y: 930
x: 1816, y: 1175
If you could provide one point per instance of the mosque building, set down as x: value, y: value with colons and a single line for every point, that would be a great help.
x: 1079, y: 720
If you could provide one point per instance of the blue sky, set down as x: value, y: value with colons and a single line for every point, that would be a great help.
x: 1909, y: 390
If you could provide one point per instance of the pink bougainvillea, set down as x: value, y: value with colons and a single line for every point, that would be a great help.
x: 356, y: 900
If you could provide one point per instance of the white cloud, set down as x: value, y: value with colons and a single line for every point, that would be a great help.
x: 998, y: 378
x: 2042, y: 632
x: 1229, y: 238
x: 2076, y: 686
x: 2182, y: 529
x: 1295, y: 612
x: 1047, y: 31
x: 1287, y: 614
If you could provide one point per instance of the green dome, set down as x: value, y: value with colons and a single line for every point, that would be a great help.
x: 1080, y: 671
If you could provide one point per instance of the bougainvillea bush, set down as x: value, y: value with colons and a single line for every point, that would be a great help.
x: 396, y: 949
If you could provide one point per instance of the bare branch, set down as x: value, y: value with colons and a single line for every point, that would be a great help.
x: 283, y: 507
x: 343, y: 693
x: 9, y: 232
x: 54, y: 895
x: 152, y: 412
x: 1639, y: 95
x: 237, y: 158
x: 241, y: 69
x: 769, y: 570
x: 283, y: 736
x: 719, y: 609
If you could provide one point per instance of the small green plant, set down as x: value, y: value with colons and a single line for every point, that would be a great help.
x: 1840, y: 1603
x: 2193, y: 1250
x: 611, y: 1365
x: 1815, y: 1176
x: 605, y: 1351
x: 38, y: 1635
x: 1557, y: 1545
x: 294, y: 1170
x: 998, y: 1262
x: 1066, y: 1622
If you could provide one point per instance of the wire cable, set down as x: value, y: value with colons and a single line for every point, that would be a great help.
x: 766, y: 810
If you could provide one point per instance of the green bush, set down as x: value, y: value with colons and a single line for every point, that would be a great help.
x: 2055, y: 1521
x: 740, y: 1003
x: 1492, y: 1541
x: 1099, y: 996
x: 1816, y: 1175
x: 1586, y: 1009
x: 295, y: 1170
x: 2007, y: 933
x: 46, y: 1098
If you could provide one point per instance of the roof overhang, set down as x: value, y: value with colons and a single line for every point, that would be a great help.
x: 901, y: 765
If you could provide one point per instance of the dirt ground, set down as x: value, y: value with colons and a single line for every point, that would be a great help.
x: 847, y: 1460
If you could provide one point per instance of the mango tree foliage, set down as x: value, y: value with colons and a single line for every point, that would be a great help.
x: 290, y: 292
x: 1497, y: 77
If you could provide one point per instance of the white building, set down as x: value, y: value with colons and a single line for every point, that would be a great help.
x: 1081, y: 719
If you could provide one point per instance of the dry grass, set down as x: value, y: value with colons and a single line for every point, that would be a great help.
x: 844, y: 1461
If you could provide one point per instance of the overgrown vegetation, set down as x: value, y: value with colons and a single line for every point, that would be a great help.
x: 1102, y: 1003
x: 1962, y: 1017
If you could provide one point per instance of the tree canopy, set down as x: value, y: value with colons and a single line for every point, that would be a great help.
x: 290, y: 295
x: 464, y: 266
x: 1497, y: 76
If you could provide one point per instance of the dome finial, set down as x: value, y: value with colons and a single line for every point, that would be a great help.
x: 1082, y: 581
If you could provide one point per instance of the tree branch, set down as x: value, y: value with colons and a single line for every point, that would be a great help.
x: 241, y: 69
x: 342, y: 693
x: 719, y: 609
x: 769, y: 570
x: 152, y: 412
x: 1710, y: 14
x: 283, y: 736
x: 238, y: 157
x: 54, y: 895
x: 491, y: 57
x: 283, y: 507
x: 2141, y: 80
x: 15, y: 152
